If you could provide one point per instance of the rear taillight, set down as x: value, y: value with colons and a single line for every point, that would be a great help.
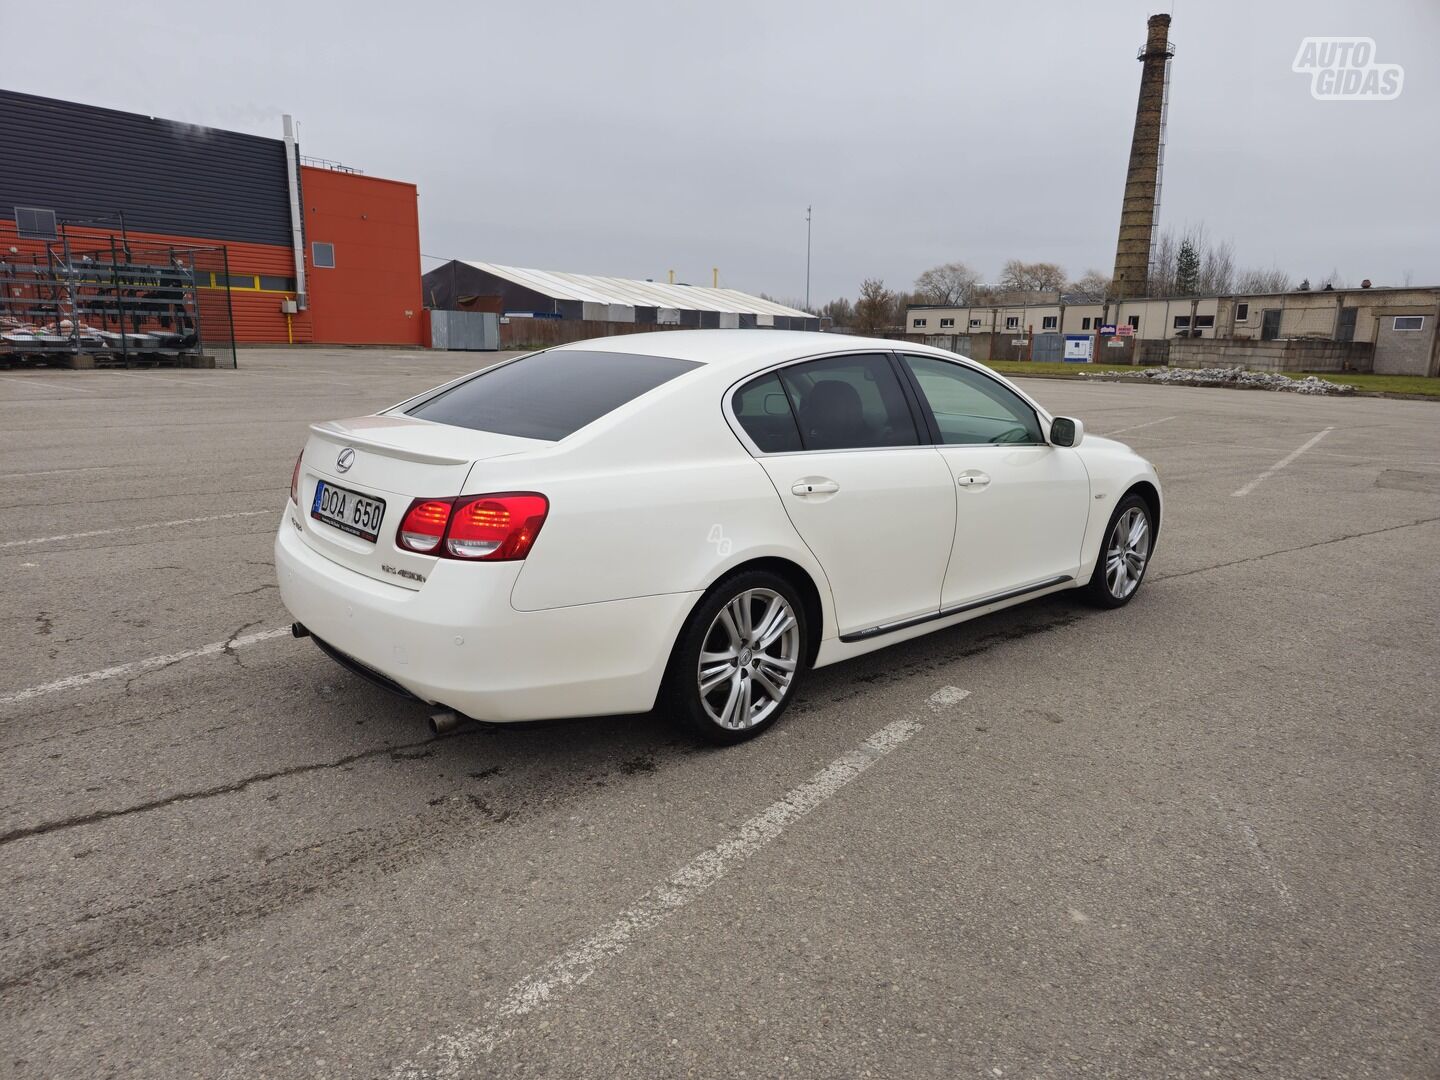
x: 491, y: 528
x: 295, y: 480
x: 495, y: 527
x: 424, y: 525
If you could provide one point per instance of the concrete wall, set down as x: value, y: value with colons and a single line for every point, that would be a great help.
x: 1406, y: 352
x: 1294, y: 355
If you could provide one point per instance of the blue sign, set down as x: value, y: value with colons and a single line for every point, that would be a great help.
x: 1108, y: 330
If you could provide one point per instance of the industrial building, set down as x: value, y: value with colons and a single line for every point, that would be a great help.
x: 280, y: 247
x: 1390, y: 331
x: 513, y: 292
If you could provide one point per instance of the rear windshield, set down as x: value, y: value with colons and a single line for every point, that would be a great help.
x: 551, y: 394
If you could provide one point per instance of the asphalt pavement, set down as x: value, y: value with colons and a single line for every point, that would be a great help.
x: 1193, y: 837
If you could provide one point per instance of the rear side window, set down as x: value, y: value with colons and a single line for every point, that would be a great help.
x: 549, y: 395
x: 764, y: 412
x: 849, y: 403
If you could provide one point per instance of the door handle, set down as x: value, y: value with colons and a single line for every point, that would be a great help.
x: 972, y: 478
x: 814, y: 487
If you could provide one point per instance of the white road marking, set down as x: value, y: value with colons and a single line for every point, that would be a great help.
x: 1136, y: 427
x: 156, y: 378
x: 1282, y: 890
x: 1286, y: 460
x: 133, y: 528
x: 136, y: 667
x: 38, y: 384
x: 452, y: 1054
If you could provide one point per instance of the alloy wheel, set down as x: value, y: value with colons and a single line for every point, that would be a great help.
x: 1127, y: 552
x: 748, y: 659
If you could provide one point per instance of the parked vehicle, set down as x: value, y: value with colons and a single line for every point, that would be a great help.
x: 693, y: 518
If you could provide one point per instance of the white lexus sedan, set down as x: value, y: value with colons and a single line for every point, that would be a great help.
x: 692, y: 519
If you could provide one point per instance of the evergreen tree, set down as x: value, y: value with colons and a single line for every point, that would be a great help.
x: 1187, y: 270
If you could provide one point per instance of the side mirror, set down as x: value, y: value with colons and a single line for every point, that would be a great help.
x: 1065, y: 431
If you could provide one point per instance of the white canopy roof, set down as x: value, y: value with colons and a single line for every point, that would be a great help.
x: 590, y: 288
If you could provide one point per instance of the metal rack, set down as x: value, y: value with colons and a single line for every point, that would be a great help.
x: 122, y: 304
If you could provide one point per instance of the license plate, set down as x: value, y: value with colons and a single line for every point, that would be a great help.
x: 359, y: 515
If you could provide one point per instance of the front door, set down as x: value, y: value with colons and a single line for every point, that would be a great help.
x: 1022, y: 504
x: 842, y: 446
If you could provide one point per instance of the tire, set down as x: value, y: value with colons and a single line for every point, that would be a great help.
x: 749, y: 658
x: 1113, y: 584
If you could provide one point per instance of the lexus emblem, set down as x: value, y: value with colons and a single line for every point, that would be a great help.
x: 346, y: 459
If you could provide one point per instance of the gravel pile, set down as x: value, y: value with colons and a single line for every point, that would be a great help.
x: 1249, y: 380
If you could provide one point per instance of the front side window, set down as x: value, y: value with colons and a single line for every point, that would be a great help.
x: 1242, y: 312
x: 849, y: 403
x: 1204, y: 322
x: 972, y: 408
x: 1048, y: 322
x: 764, y: 412
x: 946, y: 322
x: 1409, y: 322
x: 1085, y: 323
x: 1182, y: 322
x: 549, y: 395
x: 322, y: 255
x: 1012, y: 322
x: 919, y: 322
x: 1134, y: 321
x: 974, y: 322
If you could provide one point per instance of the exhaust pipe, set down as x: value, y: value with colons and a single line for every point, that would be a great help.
x: 298, y: 630
x: 442, y: 723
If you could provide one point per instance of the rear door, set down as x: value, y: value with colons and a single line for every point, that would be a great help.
x: 1022, y: 504
x: 842, y: 446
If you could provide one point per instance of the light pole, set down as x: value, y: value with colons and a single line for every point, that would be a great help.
x: 807, y: 258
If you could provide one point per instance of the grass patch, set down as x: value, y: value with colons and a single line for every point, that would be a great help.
x: 1380, y: 384
x: 1048, y: 367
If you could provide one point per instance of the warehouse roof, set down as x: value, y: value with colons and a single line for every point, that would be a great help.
x: 590, y: 288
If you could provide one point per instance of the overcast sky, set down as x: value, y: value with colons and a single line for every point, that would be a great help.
x: 631, y: 138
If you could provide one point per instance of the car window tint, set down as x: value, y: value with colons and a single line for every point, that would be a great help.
x: 849, y: 402
x: 549, y: 395
x: 764, y: 412
x: 970, y: 407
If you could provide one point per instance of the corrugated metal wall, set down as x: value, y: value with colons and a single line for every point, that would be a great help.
x: 168, y: 177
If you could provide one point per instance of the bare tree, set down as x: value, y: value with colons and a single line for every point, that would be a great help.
x: 1093, y: 285
x: 875, y: 308
x: 840, y: 312
x: 1032, y: 277
x: 1262, y: 281
x: 949, y: 285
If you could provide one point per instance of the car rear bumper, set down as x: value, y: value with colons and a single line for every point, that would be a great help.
x: 458, y: 642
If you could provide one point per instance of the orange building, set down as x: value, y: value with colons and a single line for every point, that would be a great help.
x: 340, y: 248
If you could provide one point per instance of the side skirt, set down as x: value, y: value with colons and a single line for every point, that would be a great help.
x: 945, y: 613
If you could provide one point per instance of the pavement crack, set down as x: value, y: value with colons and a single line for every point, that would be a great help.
x: 97, y: 816
x: 1292, y: 550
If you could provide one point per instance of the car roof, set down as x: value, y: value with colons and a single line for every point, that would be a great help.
x: 739, y: 350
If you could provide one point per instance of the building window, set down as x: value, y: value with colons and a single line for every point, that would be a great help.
x: 946, y: 322
x: 1409, y: 322
x: 1047, y: 322
x: 1085, y: 323
x: 1134, y: 321
x: 918, y: 323
x: 1182, y: 322
x: 1242, y: 312
x: 322, y: 256
x: 276, y: 284
x: 974, y: 322
x: 1204, y: 322
x: 1012, y: 322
